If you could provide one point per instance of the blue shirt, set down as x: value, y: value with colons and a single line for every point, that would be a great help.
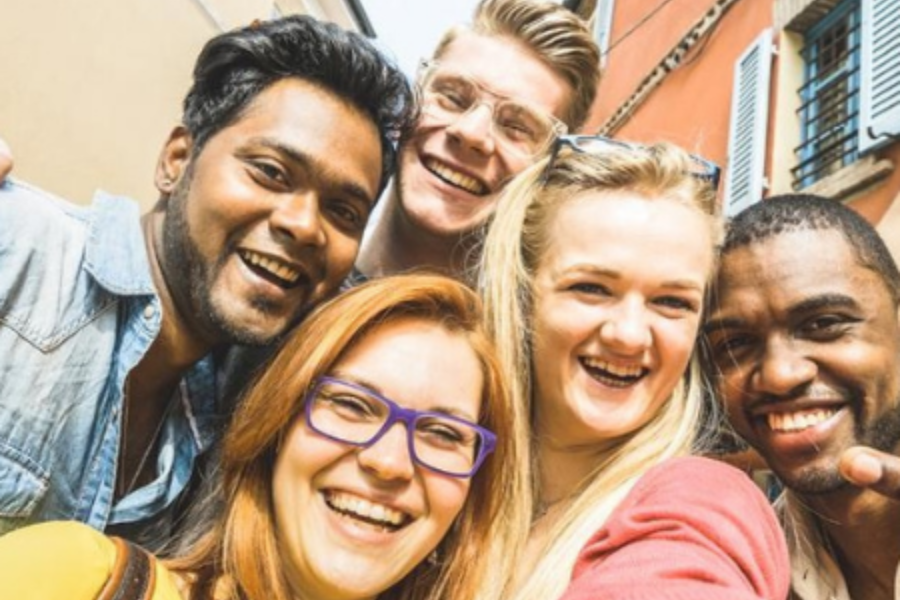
x: 78, y: 310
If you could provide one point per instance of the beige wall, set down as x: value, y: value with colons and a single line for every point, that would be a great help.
x: 89, y: 90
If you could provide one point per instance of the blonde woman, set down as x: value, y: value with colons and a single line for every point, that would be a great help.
x: 360, y: 465
x: 594, y: 273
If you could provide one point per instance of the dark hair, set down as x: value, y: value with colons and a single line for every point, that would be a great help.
x: 804, y: 212
x: 233, y: 68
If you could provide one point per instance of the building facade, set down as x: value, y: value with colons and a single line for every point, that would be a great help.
x: 89, y: 90
x: 786, y: 95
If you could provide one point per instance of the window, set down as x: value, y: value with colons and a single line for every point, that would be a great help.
x: 880, y: 93
x: 603, y: 28
x: 745, y: 180
x: 829, y: 98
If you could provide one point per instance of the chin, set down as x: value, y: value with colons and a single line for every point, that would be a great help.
x: 815, y: 481
x: 354, y: 585
x: 249, y: 331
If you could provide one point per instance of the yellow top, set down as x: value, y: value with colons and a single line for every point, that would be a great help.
x: 64, y: 560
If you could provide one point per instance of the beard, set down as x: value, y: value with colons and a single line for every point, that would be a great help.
x: 883, y: 434
x: 190, y: 278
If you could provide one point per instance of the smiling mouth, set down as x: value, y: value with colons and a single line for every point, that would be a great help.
x: 790, y: 422
x: 455, y: 178
x: 613, y: 375
x: 378, y: 516
x: 271, y: 269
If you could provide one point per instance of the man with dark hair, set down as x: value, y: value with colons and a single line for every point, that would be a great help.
x: 803, y: 345
x: 112, y: 326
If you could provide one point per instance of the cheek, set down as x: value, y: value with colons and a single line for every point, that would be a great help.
x: 676, y: 342
x: 303, y: 456
x: 446, y: 497
x: 563, y: 325
x: 207, y: 222
x: 510, y: 165
x: 342, y: 251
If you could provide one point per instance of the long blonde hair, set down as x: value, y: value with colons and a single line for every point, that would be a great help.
x: 516, y: 240
x: 240, y: 553
x: 553, y: 34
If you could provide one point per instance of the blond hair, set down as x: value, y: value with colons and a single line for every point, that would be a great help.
x: 240, y: 554
x: 553, y: 34
x: 514, y: 245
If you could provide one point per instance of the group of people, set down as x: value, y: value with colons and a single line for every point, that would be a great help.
x: 524, y: 416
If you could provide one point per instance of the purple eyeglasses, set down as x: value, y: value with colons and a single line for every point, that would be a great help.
x: 353, y: 414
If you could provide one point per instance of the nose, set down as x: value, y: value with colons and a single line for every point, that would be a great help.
x: 474, y: 128
x: 626, y: 328
x: 299, y: 219
x: 389, y: 458
x: 783, y: 369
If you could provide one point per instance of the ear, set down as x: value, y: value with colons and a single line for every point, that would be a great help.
x: 173, y: 160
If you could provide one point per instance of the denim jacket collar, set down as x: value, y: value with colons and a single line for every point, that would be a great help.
x: 115, y: 254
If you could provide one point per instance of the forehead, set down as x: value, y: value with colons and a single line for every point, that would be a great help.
x: 418, y: 363
x: 508, y: 68
x: 310, y: 120
x: 629, y: 232
x: 786, y: 269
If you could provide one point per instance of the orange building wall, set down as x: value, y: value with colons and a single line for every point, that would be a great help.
x: 635, y: 54
x: 692, y: 105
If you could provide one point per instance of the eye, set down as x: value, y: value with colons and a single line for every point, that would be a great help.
x: 726, y: 349
x: 348, y: 214
x: 451, y: 99
x: 517, y: 129
x: 731, y: 344
x: 677, y: 304
x: 516, y: 123
x: 589, y: 288
x: 348, y: 405
x: 452, y: 94
x: 270, y: 174
x: 825, y: 327
x: 442, y: 433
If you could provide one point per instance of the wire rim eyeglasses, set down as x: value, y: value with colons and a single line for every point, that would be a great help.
x: 448, y: 95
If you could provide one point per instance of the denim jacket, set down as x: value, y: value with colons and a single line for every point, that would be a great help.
x: 78, y: 310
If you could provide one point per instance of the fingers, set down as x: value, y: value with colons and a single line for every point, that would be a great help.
x: 866, y: 467
x: 6, y: 160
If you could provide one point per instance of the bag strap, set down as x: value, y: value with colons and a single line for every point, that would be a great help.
x: 133, y: 576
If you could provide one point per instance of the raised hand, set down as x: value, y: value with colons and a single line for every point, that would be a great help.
x: 6, y: 160
x: 866, y: 467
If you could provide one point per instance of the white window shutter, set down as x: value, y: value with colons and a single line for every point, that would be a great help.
x: 880, y: 74
x: 745, y: 179
x: 603, y: 28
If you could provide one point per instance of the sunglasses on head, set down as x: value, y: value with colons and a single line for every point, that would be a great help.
x: 704, y: 170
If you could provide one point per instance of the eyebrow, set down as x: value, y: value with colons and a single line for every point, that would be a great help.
x: 720, y: 324
x: 315, y: 165
x: 822, y: 301
x: 681, y: 284
x: 371, y: 387
x: 803, y: 307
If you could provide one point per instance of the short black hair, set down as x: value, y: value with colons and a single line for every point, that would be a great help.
x: 234, y: 67
x: 808, y: 212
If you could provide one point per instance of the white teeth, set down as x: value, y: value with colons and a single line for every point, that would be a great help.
x: 613, y: 375
x: 273, y: 266
x: 617, y: 370
x: 456, y: 178
x: 799, y: 420
x: 362, y: 508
